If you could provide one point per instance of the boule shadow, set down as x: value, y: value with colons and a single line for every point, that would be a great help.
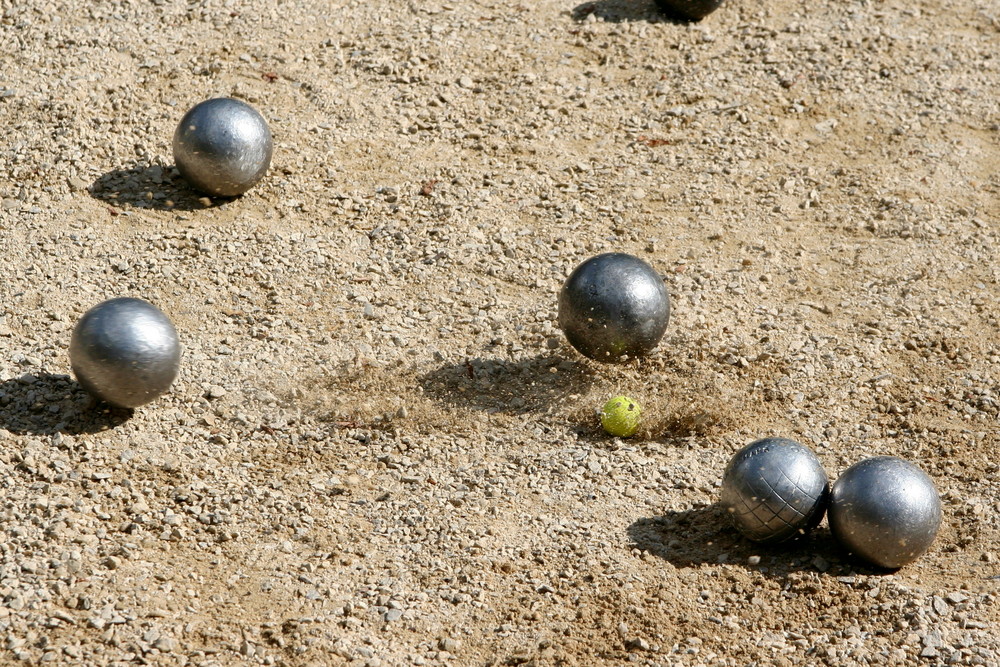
x: 155, y: 187
x: 47, y: 403
x: 648, y: 11
x: 703, y: 535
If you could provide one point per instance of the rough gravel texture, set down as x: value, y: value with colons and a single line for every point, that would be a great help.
x: 380, y: 449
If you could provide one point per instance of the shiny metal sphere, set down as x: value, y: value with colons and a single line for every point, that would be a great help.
x: 693, y: 10
x: 223, y: 147
x: 885, y: 510
x: 614, y: 306
x: 774, y: 489
x: 125, y: 351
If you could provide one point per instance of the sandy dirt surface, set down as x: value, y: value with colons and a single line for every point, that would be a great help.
x: 380, y: 449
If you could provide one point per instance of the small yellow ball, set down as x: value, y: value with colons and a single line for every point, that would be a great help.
x: 621, y: 416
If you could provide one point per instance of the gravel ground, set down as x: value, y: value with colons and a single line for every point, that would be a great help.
x: 380, y: 450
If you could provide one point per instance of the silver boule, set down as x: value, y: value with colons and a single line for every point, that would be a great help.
x: 885, y: 510
x: 223, y: 147
x: 125, y: 351
x: 614, y: 306
x: 774, y: 489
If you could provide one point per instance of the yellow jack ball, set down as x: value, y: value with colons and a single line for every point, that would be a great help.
x: 621, y: 416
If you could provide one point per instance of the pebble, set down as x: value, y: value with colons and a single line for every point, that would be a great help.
x: 637, y: 644
x: 166, y: 644
x: 821, y: 563
x: 215, y: 392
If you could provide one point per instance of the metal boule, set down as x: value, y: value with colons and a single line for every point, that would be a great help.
x: 125, y: 351
x: 613, y: 307
x: 774, y: 489
x: 223, y: 147
x: 885, y: 510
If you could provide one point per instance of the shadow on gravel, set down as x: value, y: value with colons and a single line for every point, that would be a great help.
x: 704, y: 536
x: 150, y: 187
x: 625, y: 11
x: 513, y: 387
x: 44, y: 404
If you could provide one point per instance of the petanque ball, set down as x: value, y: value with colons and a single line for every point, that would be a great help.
x: 125, y: 351
x: 222, y: 147
x: 885, y: 510
x: 613, y: 307
x: 774, y: 489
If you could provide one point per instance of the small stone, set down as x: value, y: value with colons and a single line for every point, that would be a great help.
x: 448, y: 644
x: 166, y: 644
x: 394, y: 615
x: 753, y: 560
x: 215, y: 391
x: 826, y: 126
x: 939, y: 606
x: 955, y: 597
x: 637, y: 644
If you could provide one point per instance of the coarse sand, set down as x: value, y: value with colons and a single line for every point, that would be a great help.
x: 380, y: 449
